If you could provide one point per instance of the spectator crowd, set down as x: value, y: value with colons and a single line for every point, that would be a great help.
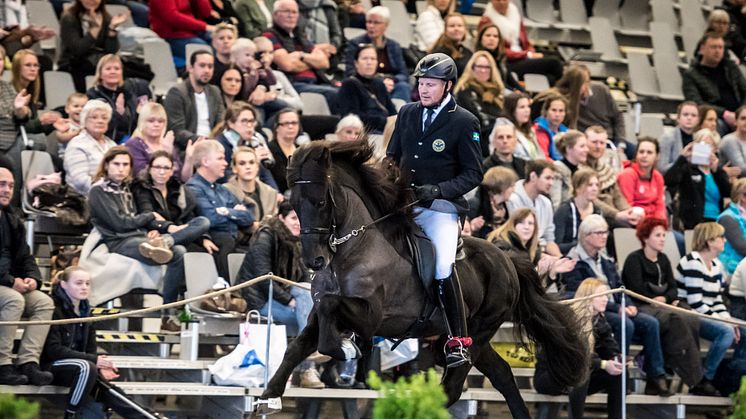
x: 203, y: 168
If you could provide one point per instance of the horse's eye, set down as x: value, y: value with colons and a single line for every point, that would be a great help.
x: 322, y: 203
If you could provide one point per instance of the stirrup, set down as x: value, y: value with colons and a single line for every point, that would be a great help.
x: 457, y: 351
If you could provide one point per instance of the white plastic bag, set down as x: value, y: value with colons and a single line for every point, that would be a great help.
x: 254, y: 335
x: 405, y: 352
x: 241, y: 367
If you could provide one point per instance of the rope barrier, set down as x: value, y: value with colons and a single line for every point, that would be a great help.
x: 285, y: 281
x: 179, y: 303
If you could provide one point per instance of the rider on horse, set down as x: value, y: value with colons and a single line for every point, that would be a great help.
x: 436, y: 143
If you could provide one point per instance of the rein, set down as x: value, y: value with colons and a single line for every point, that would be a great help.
x: 336, y: 241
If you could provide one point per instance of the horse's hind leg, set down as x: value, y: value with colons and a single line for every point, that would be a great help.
x: 298, y: 350
x: 500, y: 375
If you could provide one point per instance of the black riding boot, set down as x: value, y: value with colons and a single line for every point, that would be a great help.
x: 452, y: 306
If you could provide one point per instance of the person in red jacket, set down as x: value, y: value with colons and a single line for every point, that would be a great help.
x: 641, y: 184
x: 181, y: 22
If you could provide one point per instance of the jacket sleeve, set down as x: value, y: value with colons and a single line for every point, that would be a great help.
x: 427, y: 30
x: 204, y: 207
x: 74, y: 41
x: 730, y: 152
x: 175, y: 106
x: 168, y: 12
x: 24, y: 264
x: 561, y: 228
x: 666, y: 158
x: 676, y: 173
x: 667, y: 271
x: 734, y: 234
x: 105, y: 211
x: 352, y: 47
x: 691, y: 91
x: 76, y: 169
x: 632, y: 275
x: 626, y: 182
x: 262, y: 255
x: 470, y: 156
x: 54, y: 350
x: 660, y: 202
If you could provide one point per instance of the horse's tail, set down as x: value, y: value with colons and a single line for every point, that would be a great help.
x: 552, y: 325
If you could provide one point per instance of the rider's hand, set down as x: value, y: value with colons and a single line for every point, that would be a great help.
x: 427, y: 192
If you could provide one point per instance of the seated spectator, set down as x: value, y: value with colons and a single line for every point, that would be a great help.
x: 151, y: 136
x: 479, y: 90
x: 733, y: 218
x: 21, y: 296
x: 156, y: 190
x: 701, y: 188
x: 518, y: 112
x: 194, y: 106
x: 255, y: 195
x: 504, y: 144
x: 598, y: 107
x: 286, y: 131
x: 715, y: 81
x: 451, y: 42
x: 699, y: 276
x: 216, y: 202
x: 365, y: 95
x: 84, y: 152
x: 737, y: 291
x: 255, y: 16
x: 145, y: 237
x: 571, y: 213
x: 87, y: 32
x: 719, y: 22
x: 488, y: 209
x: 276, y: 249
x: 648, y: 272
x: 672, y: 141
x: 641, y: 184
x: 222, y: 13
x: 349, y: 128
x: 230, y: 83
x: 223, y: 38
x: 708, y: 118
x: 522, y: 57
x: 604, y: 158
x: 27, y: 79
x: 519, y: 235
x: 181, y: 23
x: 70, y: 351
x: 574, y: 86
x: 73, y: 108
x: 430, y: 24
x: 390, y: 59
x: 605, y: 368
x: 256, y: 80
x: 549, y: 124
x: 490, y: 40
x: 573, y: 147
x: 593, y: 262
x: 109, y: 87
x: 284, y: 89
x: 531, y: 193
x: 302, y: 61
x: 733, y: 146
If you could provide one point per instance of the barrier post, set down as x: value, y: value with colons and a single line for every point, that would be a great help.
x: 270, y: 298
x: 623, y: 345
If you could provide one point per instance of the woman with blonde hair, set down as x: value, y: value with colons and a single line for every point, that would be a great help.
x: 26, y: 81
x: 451, y: 42
x: 150, y: 136
x: 109, y: 86
x: 480, y: 91
x: 606, y: 366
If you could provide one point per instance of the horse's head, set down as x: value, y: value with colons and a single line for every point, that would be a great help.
x: 313, y: 200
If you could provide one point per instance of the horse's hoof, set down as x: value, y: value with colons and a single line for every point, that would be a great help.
x: 268, y: 406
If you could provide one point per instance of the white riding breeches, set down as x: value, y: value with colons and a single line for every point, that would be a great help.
x: 442, y: 229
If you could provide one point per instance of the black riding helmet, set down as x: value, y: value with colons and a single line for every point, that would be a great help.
x: 437, y: 66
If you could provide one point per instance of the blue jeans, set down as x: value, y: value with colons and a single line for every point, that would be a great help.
x: 178, y: 47
x: 645, y: 329
x: 294, y: 319
x: 722, y: 337
x: 402, y: 90
x: 329, y: 92
x: 138, y: 10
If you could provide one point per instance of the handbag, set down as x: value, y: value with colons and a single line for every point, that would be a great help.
x: 230, y: 302
x: 255, y: 335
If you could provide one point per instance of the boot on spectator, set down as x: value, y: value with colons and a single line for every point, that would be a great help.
x: 658, y: 387
x: 158, y: 249
x: 9, y: 376
x: 35, y: 375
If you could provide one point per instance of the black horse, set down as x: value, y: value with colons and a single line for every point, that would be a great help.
x: 369, y: 285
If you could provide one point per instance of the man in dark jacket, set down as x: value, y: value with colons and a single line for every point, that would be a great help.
x: 715, y: 80
x: 20, y: 281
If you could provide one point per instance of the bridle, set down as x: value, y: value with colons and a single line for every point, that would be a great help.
x: 335, y: 241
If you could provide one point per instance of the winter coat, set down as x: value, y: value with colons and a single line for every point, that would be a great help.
x: 77, y: 341
x: 689, y: 181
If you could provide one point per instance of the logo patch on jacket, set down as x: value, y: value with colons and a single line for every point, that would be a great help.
x: 475, y: 136
x: 439, y: 145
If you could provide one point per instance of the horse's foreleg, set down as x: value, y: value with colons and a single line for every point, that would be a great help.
x: 338, y: 314
x: 500, y: 375
x: 453, y: 382
x: 298, y: 350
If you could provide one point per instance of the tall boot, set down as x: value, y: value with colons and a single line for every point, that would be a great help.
x: 454, y: 311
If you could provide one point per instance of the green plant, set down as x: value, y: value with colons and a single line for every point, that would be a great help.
x: 421, y: 396
x: 12, y: 408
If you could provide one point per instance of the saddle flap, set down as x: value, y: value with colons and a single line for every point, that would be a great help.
x: 423, y: 259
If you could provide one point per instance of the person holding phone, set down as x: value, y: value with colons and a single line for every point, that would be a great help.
x: 699, y: 180
x: 606, y: 366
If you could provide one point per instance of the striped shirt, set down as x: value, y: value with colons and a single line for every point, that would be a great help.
x: 700, y: 287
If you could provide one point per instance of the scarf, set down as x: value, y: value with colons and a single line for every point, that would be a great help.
x: 509, y: 25
x: 488, y: 92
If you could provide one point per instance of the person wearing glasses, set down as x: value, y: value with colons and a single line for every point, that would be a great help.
x: 365, y: 95
x: 150, y: 136
x: 286, y: 131
x: 701, y: 281
x: 480, y: 91
x: 390, y: 63
x: 593, y: 262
